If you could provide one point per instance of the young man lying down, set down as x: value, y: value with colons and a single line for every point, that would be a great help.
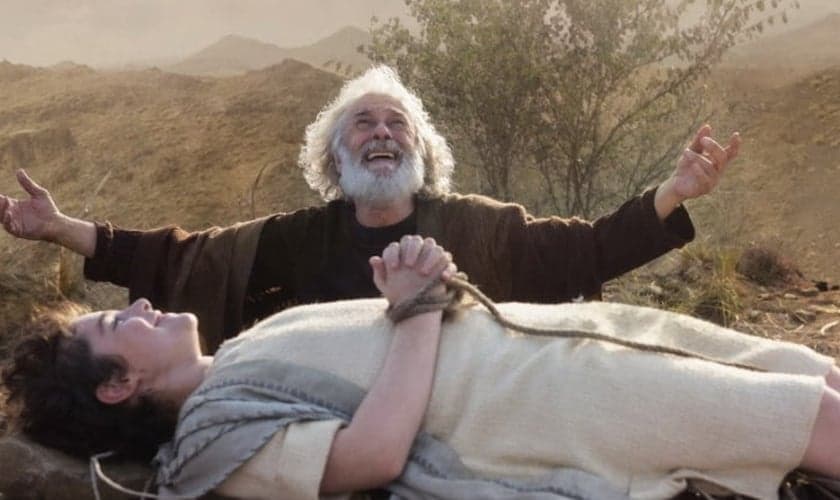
x: 337, y: 398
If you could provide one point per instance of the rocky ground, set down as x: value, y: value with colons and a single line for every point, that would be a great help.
x: 784, y: 305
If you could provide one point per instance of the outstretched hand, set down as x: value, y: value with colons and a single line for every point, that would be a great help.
x: 698, y: 170
x: 409, y: 265
x: 32, y: 218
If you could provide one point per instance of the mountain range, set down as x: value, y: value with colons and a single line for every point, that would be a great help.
x: 234, y: 54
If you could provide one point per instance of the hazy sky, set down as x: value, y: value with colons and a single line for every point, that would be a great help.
x: 105, y: 32
x: 114, y: 32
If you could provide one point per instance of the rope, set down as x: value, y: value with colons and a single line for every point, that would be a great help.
x: 458, y: 286
x: 450, y: 301
x: 96, y: 472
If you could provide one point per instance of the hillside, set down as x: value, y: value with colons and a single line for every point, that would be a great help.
x: 235, y: 54
x: 10, y: 72
x: 783, y: 189
x: 784, y: 58
x: 159, y: 131
x: 148, y: 148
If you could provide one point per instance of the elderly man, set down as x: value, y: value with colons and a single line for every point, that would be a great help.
x: 378, y: 161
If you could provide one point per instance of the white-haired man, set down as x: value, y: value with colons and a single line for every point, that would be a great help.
x: 384, y: 170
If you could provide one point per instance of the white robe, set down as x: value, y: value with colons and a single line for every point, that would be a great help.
x: 517, y: 405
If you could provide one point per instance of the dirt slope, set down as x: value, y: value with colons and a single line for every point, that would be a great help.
x: 783, y: 189
x: 145, y: 149
x: 785, y: 58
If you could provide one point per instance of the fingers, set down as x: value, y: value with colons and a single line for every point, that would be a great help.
x: 30, y: 186
x: 410, y: 248
x: 391, y: 256
x: 9, y: 219
x: 441, y: 264
x: 696, y: 143
x: 435, y: 258
x: 425, y: 256
x: 733, y: 146
x: 721, y: 156
x: 450, y: 272
x: 6, y: 218
x: 379, y: 273
x: 715, y: 152
x: 702, y: 170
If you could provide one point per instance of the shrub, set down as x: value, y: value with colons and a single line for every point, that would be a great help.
x: 766, y: 267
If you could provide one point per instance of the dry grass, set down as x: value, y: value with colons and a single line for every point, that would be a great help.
x: 717, y: 299
x: 699, y: 280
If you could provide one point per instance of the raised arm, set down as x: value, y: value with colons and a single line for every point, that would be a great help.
x: 372, y: 450
x: 38, y: 218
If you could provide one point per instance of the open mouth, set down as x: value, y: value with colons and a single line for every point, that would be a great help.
x: 380, y: 155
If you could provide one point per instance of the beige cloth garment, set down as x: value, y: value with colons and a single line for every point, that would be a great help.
x: 515, y: 405
x: 292, y: 463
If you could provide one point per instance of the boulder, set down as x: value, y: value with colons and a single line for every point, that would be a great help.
x: 29, y: 471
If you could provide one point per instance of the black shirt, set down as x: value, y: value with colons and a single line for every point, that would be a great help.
x: 347, y: 277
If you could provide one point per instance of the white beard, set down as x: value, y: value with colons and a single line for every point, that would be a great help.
x: 363, y: 186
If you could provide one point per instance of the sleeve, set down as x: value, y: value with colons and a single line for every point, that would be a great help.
x: 290, y: 466
x: 633, y: 235
x: 556, y: 259
x: 113, y: 254
x: 202, y: 272
x: 270, y: 281
x: 142, y: 261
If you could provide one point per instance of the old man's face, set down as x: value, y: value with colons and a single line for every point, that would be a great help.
x: 377, y: 159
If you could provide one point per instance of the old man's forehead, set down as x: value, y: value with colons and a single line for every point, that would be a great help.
x: 378, y: 102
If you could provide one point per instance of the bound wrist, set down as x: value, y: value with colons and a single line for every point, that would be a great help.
x: 433, y: 297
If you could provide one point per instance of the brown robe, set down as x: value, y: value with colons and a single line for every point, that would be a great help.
x: 509, y: 254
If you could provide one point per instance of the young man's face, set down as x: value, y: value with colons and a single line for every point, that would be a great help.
x: 150, y: 342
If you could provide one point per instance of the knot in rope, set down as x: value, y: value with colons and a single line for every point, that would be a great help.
x: 433, y: 297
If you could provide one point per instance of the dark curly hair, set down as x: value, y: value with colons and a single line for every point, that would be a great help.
x: 51, y: 383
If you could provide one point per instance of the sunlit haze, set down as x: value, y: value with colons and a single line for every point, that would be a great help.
x: 116, y: 32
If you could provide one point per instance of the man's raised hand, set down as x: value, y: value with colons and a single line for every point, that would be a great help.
x: 38, y: 218
x: 34, y: 218
x: 698, y: 170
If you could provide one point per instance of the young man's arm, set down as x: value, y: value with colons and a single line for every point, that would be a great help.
x: 373, y: 449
